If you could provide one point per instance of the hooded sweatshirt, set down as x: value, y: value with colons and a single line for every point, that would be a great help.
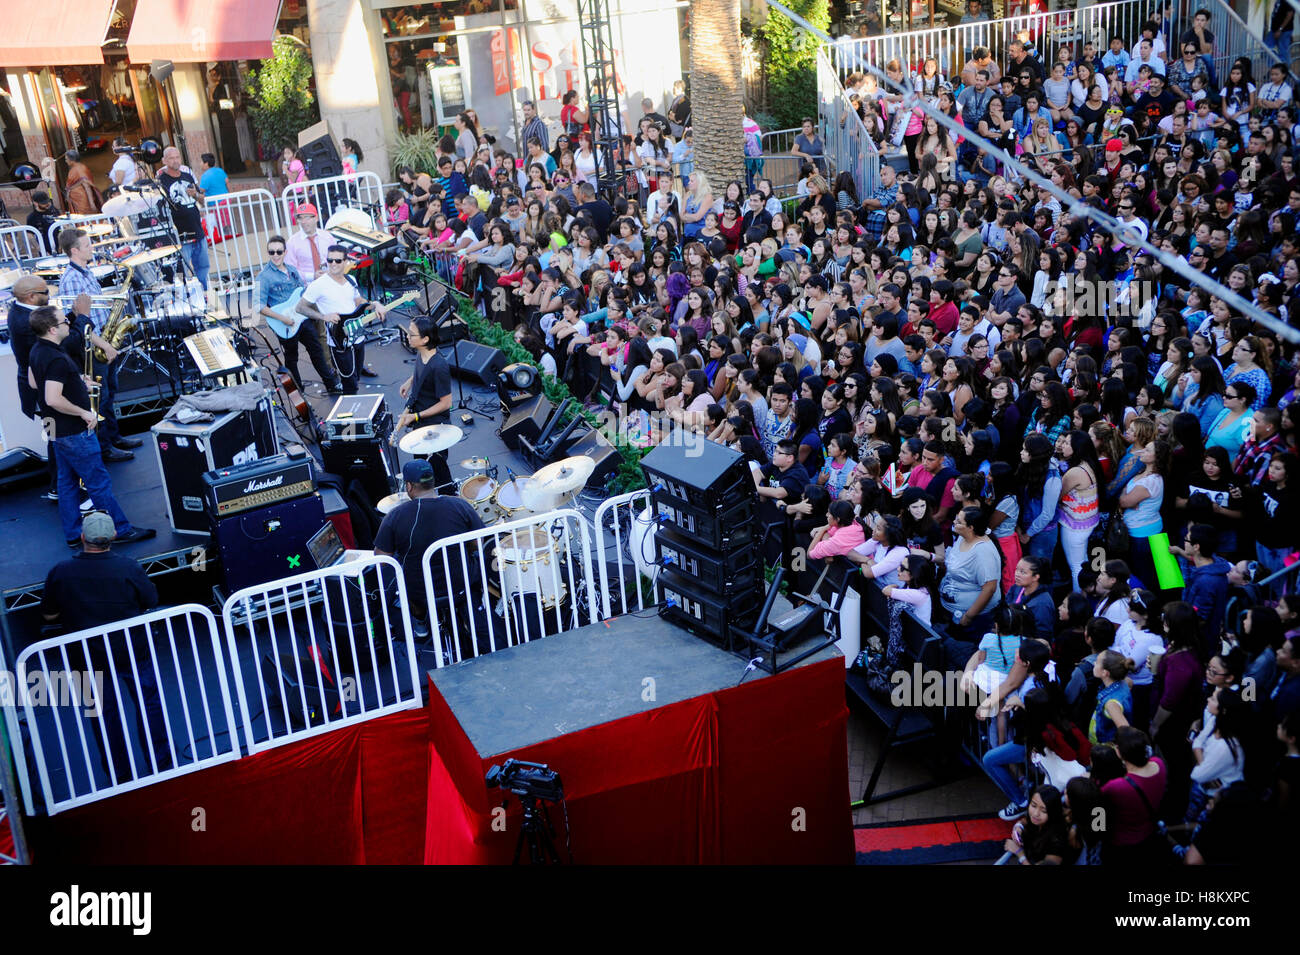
x: 1206, y: 589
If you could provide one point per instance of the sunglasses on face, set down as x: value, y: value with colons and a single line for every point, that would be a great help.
x: 333, y: 261
x: 275, y: 251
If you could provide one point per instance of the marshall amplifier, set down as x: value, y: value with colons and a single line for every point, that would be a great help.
x: 267, y: 542
x: 244, y: 488
x: 185, y: 452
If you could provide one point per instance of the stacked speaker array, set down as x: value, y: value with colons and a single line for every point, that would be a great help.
x: 707, y: 543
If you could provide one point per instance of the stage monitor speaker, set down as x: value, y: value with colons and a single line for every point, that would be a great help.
x: 700, y: 473
x: 372, y: 461
x: 320, y: 152
x: 597, y: 447
x: 527, y: 421
x: 477, y: 363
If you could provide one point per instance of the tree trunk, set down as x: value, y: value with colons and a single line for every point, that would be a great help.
x: 717, y: 91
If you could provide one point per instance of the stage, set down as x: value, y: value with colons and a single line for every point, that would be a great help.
x: 689, y: 768
x: 25, y: 517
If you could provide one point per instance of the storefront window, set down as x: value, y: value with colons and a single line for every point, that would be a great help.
x: 422, y: 36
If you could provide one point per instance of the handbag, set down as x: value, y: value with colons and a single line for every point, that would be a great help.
x: 1117, y: 537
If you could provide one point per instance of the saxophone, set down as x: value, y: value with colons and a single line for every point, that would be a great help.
x: 119, y: 325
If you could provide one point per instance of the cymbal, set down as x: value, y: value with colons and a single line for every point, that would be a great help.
x: 563, y: 476
x: 151, y: 255
x: 126, y: 204
x: 391, y: 501
x: 431, y: 439
x: 113, y: 240
x: 475, y: 464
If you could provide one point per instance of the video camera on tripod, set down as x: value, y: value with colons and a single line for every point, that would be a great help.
x: 535, y: 780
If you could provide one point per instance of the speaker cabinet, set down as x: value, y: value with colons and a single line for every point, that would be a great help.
x: 477, y: 363
x: 597, y: 447
x: 527, y: 421
x: 372, y: 461
x: 319, y: 152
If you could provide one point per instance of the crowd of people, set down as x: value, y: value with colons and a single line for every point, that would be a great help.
x: 1072, y: 462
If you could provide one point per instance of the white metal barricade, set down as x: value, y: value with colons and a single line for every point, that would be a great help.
x: 508, y: 584
x: 329, y: 648
x: 363, y: 189
x: 18, y: 242
x: 121, y: 707
x: 625, y: 542
x: 244, y: 220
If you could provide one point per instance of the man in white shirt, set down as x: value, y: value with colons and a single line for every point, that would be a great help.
x: 328, y: 298
x: 123, y: 172
x: 1145, y: 55
x: 305, y: 252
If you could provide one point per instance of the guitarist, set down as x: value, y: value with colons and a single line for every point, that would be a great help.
x: 275, y: 285
x: 329, y: 298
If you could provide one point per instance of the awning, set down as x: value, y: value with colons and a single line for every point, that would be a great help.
x: 53, y: 32
x: 202, y: 31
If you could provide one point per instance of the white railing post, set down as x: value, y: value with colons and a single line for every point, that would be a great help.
x: 613, y: 538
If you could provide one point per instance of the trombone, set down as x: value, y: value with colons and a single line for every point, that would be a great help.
x: 93, y: 385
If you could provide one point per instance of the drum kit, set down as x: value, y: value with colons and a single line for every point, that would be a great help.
x: 527, y: 558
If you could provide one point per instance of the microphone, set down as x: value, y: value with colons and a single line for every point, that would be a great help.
x: 133, y: 188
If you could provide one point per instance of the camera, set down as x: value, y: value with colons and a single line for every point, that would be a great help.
x: 536, y: 780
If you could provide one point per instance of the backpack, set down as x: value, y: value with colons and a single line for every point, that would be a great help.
x: 753, y: 145
x: 1081, y: 711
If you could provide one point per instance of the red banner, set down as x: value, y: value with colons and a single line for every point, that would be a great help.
x: 507, y: 61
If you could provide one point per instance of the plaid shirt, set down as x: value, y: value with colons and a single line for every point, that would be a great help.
x: 876, y: 221
x: 77, y: 280
x: 1252, y: 460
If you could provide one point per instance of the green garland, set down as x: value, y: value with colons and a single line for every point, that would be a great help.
x: 629, y: 476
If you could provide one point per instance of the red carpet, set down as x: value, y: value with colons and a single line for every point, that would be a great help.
x: 930, y: 842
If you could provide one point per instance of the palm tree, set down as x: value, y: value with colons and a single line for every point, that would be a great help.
x: 717, y: 90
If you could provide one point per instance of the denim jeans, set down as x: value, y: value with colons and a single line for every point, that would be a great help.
x: 107, y: 431
x: 79, y: 459
x: 996, y: 762
x: 197, y: 254
x: 1043, y: 544
x: 1281, y: 46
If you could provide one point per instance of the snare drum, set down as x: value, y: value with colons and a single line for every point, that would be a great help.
x: 480, y: 491
x: 529, y: 562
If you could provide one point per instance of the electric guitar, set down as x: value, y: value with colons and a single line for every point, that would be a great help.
x: 288, y: 307
x: 345, y: 332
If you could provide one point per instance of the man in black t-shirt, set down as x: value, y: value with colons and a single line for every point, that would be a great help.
x: 186, y: 201
x: 428, y: 390
x: 42, y: 216
x: 71, y: 423
x: 780, y: 484
x: 600, y: 212
x: 414, y: 526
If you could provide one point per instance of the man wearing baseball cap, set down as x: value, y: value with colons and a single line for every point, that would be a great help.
x: 414, y: 526
x: 93, y: 589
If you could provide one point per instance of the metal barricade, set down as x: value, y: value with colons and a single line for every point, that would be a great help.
x: 322, y: 650
x: 625, y: 553
x: 849, y: 146
x: 776, y: 141
x: 19, y: 242
x: 249, y: 218
x: 361, y: 190
x: 509, y: 583
x: 166, y: 668
x: 80, y: 222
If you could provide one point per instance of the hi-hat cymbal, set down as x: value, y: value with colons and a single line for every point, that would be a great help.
x: 476, y: 464
x: 391, y: 501
x: 151, y: 255
x: 93, y: 229
x: 114, y: 240
x: 563, y: 476
x: 126, y: 204
x: 431, y: 439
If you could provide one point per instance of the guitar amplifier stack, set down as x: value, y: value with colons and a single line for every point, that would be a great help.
x: 262, y: 515
x: 708, y: 544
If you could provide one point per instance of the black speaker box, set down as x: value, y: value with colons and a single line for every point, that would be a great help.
x: 597, y: 447
x: 717, y: 573
x: 320, y: 153
x: 371, y: 461
x: 527, y: 421
x: 705, y: 614
x: 478, y: 363
x: 701, y: 473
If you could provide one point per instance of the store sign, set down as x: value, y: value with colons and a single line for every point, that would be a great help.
x: 507, y: 68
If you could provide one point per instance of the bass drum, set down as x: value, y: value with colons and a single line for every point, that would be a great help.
x: 529, y: 562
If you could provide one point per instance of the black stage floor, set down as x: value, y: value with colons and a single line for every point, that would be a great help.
x: 33, y: 537
x: 584, y: 678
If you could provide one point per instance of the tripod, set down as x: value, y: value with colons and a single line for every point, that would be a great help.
x: 538, y: 832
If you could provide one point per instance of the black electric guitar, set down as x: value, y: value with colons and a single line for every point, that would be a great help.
x: 347, y: 330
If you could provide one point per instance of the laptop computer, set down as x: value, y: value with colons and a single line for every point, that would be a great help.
x: 326, y: 548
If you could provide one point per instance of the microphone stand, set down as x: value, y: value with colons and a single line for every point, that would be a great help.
x: 463, y: 404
